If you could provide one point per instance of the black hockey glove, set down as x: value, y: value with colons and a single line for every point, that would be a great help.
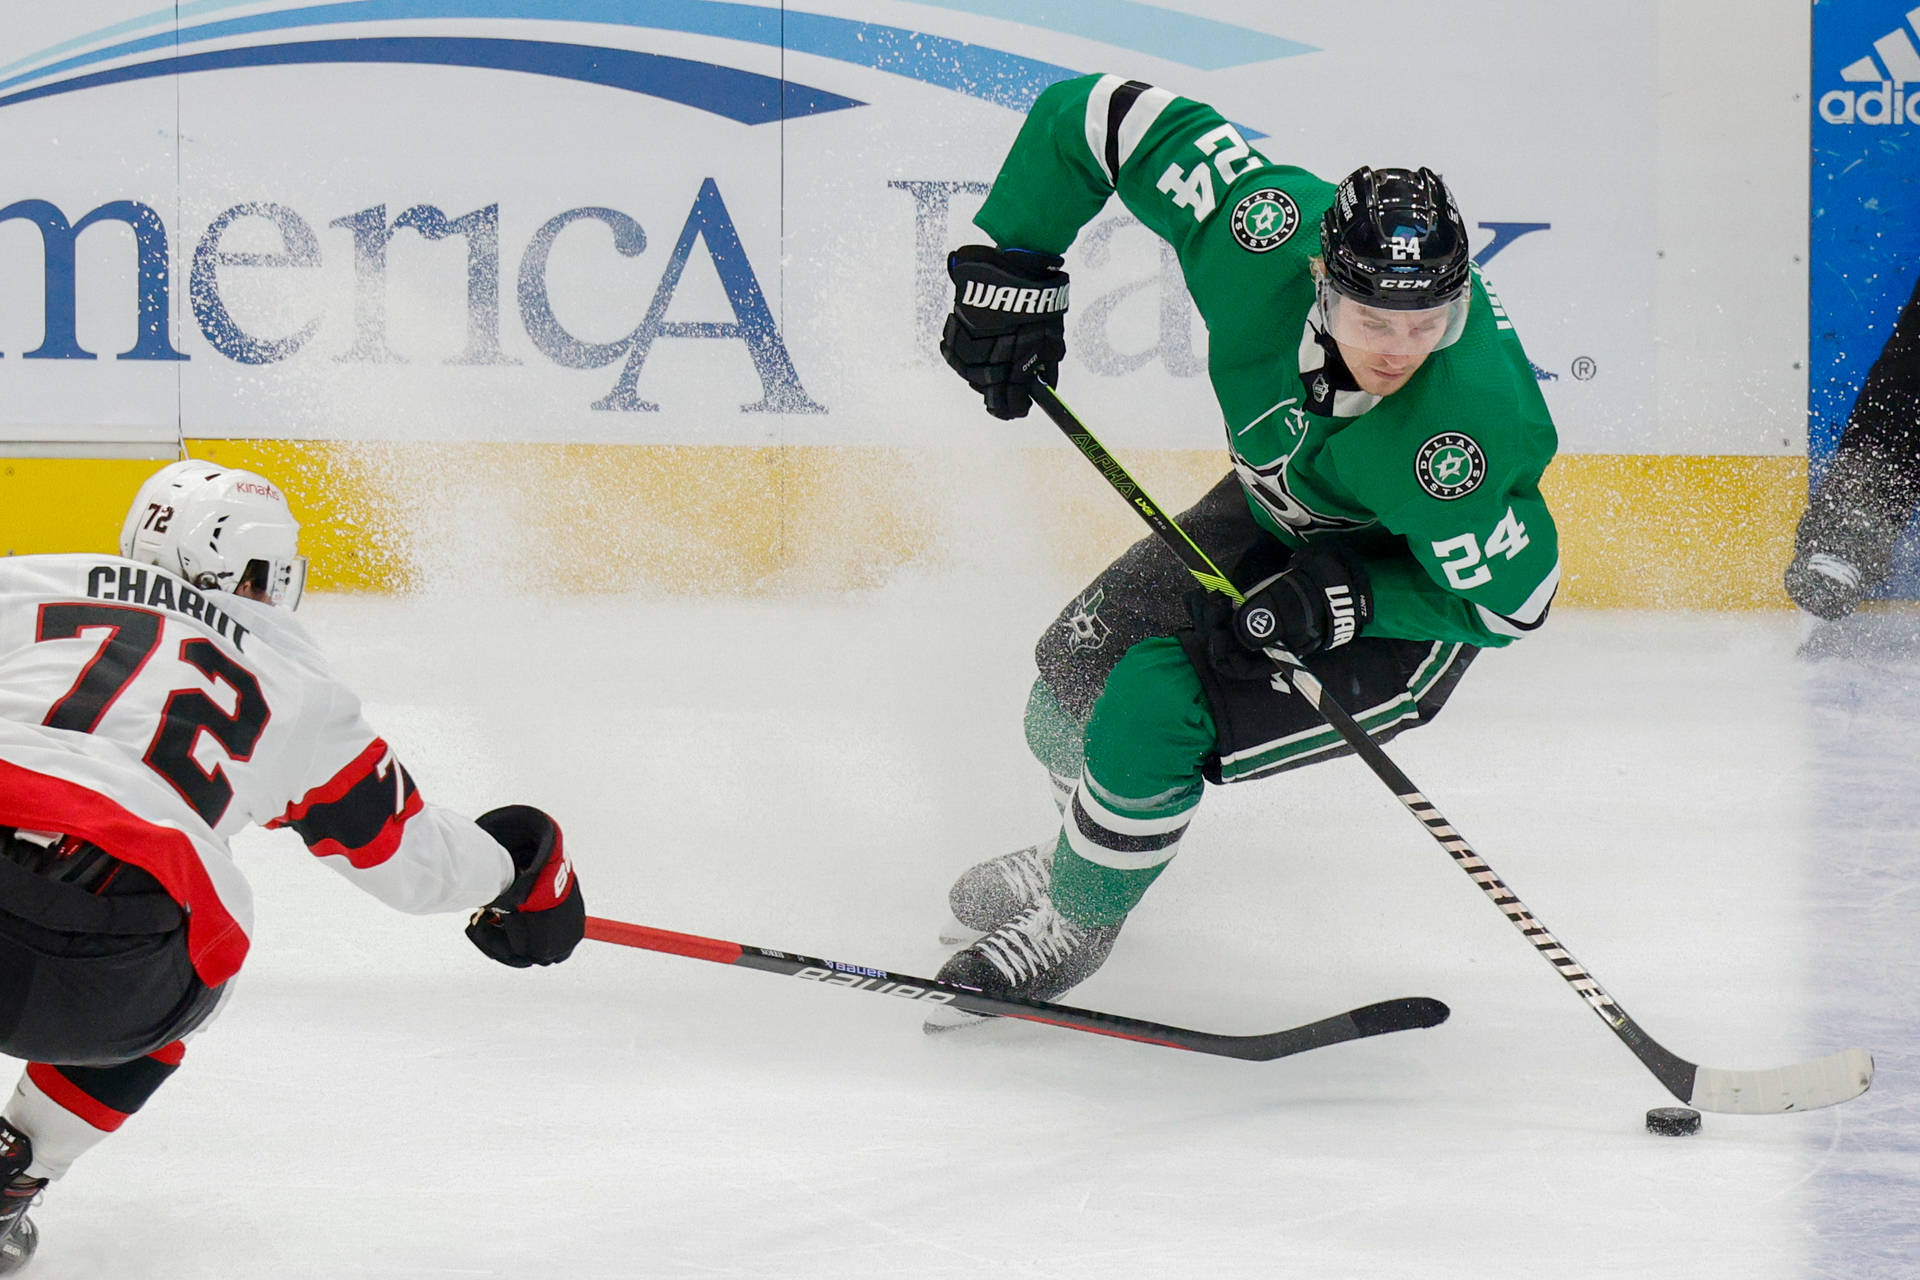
x: 1008, y: 329
x: 1319, y: 602
x: 540, y: 917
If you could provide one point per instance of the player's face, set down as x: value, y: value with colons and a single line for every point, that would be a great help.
x: 1380, y: 375
x: 1382, y: 348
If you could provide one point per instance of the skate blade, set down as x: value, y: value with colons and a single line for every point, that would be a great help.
x: 945, y: 1018
x: 17, y: 1249
x: 1816, y: 637
x: 955, y: 934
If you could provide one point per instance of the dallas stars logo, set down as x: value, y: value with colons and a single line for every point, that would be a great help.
x: 1450, y: 466
x: 1265, y: 219
x: 1085, y: 628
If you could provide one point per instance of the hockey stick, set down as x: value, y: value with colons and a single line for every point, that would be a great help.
x: 1801, y: 1087
x: 1405, y: 1014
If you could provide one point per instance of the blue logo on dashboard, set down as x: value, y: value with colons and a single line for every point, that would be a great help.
x: 1006, y: 79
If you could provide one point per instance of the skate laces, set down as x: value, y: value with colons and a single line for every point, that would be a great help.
x: 1032, y: 942
x: 1028, y: 874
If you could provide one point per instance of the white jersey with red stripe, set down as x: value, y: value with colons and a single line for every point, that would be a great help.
x: 155, y: 720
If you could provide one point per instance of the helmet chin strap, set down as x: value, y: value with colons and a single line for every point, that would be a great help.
x: 1332, y: 391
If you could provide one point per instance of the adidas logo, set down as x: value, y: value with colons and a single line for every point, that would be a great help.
x: 1887, y: 103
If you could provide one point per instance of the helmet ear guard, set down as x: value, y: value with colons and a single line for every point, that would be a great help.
x: 219, y: 529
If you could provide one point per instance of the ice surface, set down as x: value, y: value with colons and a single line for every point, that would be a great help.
x: 1719, y: 828
x: 1862, y: 696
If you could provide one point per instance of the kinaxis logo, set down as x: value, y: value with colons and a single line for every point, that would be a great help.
x: 1893, y: 65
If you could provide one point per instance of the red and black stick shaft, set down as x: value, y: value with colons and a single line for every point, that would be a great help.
x: 1370, y: 1020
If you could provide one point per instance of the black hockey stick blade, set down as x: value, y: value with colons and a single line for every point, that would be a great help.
x: 1406, y: 1014
x: 1409, y: 1013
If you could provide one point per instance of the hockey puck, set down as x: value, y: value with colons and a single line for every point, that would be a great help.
x: 1673, y: 1122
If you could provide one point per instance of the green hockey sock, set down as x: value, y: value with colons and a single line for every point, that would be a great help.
x: 1056, y: 739
x: 1090, y: 894
x: 1141, y: 782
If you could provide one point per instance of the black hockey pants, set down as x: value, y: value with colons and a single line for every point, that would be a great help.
x: 94, y: 970
x: 1387, y: 685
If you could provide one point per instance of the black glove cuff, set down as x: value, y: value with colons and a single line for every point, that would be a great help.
x: 1024, y: 264
x: 527, y: 835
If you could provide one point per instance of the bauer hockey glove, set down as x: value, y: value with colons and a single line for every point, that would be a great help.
x: 1319, y: 602
x: 540, y: 917
x: 1008, y: 329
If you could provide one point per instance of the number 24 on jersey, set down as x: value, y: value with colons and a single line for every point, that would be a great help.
x: 1467, y: 561
x: 1230, y: 155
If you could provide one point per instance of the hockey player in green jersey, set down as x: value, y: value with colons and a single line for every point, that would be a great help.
x: 1383, y: 511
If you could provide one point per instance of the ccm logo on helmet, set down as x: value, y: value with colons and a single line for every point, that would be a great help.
x: 1390, y: 282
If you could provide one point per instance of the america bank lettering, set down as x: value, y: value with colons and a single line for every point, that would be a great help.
x: 262, y: 247
x: 708, y: 226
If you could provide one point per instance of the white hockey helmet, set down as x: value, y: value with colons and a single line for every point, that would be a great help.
x: 217, y: 528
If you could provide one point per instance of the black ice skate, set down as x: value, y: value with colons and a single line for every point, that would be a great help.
x: 1037, y: 955
x: 18, y: 1236
x: 990, y: 893
x: 1844, y: 545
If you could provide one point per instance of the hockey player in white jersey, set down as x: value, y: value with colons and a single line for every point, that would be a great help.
x: 152, y: 704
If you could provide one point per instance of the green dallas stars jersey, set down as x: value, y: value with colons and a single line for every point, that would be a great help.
x: 1437, y: 484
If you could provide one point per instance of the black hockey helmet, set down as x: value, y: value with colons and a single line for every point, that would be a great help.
x: 1394, y: 239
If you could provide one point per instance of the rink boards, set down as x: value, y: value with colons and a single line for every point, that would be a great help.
x: 1643, y: 531
x: 650, y: 293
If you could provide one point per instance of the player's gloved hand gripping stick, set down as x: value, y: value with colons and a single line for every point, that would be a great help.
x: 540, y: 917
x: 1008, y: 327
x: 1801, y: 1087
